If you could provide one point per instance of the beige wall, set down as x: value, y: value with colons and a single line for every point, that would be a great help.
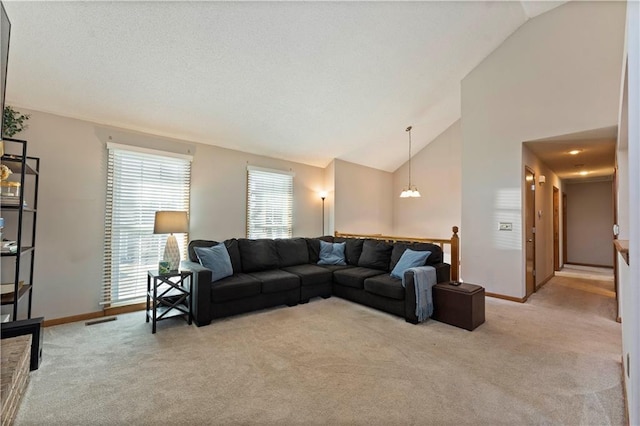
x: 70, y: 225
x: 219, y: 193
x: 544, y: 215
x: 589, y: 223
x: 69, y: 261
x: 436, y: 171
x: 557, y: 74
x: 362, y: 199
x: 329, y: 187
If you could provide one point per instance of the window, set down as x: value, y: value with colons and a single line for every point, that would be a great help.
x: 269, y: 203
x: 139, y: 182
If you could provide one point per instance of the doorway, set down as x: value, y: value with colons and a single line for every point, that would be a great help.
x: 530, y: 230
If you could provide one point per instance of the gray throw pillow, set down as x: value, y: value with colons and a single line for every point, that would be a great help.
x: 215, y: 258
x: 331, y: 254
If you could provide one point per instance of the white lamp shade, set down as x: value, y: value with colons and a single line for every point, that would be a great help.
x: 412, y: 192
x: 169, y: 222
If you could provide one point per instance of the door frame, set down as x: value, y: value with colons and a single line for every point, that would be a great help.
x: 616, y: 284
x: 529, y: 249
x: 564, y: 228
x: 556, y: 229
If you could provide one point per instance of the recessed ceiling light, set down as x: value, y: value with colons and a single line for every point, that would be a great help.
x: 584, y: 173
x: 575, y: 152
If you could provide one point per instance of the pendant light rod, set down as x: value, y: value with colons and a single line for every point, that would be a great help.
x: 409, y: 130
x: 411, y: 191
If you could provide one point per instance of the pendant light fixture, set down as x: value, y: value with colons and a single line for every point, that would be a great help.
x: 411, y: 191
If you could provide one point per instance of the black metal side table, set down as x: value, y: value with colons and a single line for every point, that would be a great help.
x: 168, y: 296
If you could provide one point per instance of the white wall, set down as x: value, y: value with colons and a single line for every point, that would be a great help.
x: 362, y: 199
x: 544, y: 215
x: 436, y: 171
x: 558, y: 74
x: 590, y: 223
x: 69, y: 261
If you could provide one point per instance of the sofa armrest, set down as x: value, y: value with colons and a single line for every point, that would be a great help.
x: 200, y: 292
x: 443, y: 274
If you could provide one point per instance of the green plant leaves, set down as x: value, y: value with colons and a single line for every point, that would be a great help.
x: 14, y: 121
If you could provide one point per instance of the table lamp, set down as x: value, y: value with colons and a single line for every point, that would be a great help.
x: 168, y: 222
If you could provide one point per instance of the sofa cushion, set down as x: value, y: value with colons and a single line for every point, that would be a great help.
x: 292, y: 251
x: 238, y: 286
x: 310, y: 274
x: 332, y: 254
x: 385, y: 285
x: 375, y: 255
x: 258, y: 255
x: 234, y: 253
x: 352, y: 250
x: 436, y: 252
x: 215, y: 258
x: 409, y: 259
x: 276, y: 280
x: 354, y: 277
x: 313, y: 245
x: 334, y: 268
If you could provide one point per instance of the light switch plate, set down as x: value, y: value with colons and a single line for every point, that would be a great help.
x: 506, y: 226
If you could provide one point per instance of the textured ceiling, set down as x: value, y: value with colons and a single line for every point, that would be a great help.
x: 302, y: 81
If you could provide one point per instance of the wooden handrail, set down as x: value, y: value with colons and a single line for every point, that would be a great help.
x: 454, y: 242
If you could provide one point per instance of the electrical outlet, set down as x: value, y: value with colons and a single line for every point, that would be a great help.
x: 506, y: 226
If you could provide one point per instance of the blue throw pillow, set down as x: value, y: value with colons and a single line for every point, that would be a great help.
x: 332, y: 253
x: 217, y: 259
x: 409, y: 259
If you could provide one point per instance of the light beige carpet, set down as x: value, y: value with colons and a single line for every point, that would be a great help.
x: 336, y: 362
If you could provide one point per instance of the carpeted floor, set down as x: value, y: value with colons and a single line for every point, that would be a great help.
x: 332, y: 361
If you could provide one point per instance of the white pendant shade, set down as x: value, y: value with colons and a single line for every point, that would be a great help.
x: 410, y: 193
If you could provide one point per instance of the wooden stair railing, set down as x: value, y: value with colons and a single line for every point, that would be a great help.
x: 453, y: 242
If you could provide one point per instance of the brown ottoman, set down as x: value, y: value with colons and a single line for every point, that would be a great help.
x: 462, y: 306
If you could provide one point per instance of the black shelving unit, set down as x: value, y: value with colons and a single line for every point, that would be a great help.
x: 28, y: 170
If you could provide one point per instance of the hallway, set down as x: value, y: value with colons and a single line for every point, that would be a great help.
x: 580, y: 288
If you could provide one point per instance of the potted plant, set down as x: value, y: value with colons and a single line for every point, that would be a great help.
x: 14, y: 121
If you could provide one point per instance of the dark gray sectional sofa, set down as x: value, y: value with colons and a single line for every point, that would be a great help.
x: 272, y: 272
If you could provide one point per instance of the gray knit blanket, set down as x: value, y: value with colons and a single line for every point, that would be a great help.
x: 424, y: 278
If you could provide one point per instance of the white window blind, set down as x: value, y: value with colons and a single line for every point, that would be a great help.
x: 138, y: 184
x: 269, y: 203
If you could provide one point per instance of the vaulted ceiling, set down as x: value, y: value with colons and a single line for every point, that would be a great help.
x: 302, y: 81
